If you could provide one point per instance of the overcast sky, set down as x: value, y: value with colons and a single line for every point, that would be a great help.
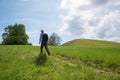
x: 70, y: 19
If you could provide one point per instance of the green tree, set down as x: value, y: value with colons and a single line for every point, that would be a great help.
x: 54, y: 40
x: 15, y: 35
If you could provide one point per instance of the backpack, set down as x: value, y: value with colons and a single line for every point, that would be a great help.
x: 45, y: 37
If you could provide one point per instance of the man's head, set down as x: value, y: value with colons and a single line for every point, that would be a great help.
x: 42, y: 31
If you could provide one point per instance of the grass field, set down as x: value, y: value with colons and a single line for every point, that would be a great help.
x: 67, y: 62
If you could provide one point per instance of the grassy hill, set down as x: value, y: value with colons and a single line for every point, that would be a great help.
x: 91, y: 43
x: 73, y: 62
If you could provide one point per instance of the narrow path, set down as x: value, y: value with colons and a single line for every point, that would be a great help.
x: 73, y: 61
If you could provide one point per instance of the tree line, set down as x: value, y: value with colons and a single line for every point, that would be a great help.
x: 16, y: 35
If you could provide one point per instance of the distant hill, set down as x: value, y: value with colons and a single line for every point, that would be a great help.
x: 91, y: 43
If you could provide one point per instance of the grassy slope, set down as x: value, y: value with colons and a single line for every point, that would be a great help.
x: 96, y: 53
x: 65, y: 63
x: 91, y: 43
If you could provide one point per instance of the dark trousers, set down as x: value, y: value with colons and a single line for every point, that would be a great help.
x: 44, y: 44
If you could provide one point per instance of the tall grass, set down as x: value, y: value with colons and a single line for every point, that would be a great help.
x: 104, y: 58
x: 26, y: 63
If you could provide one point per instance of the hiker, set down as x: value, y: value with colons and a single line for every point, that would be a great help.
x: 43, y: 40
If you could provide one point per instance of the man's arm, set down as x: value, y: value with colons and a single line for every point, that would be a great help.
x: 40, y: 39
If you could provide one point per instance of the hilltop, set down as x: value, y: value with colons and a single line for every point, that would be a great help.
x: 91, y: 43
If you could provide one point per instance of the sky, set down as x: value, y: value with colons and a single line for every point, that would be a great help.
x: 70, y: 19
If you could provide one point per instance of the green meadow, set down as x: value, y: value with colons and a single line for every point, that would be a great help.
x: 79, y: 59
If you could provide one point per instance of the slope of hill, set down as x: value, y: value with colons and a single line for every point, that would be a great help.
x: 91, y: 43
x: 64, y: 63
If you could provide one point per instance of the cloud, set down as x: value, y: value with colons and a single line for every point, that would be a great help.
x: 109, y: 26
x: 97, y: 19
x: 33, y: 36
x: 25, y: 0
x: 99, y: 2
x: 33, y: 33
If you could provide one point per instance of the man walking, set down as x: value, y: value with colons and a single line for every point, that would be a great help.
x: 43, y: 40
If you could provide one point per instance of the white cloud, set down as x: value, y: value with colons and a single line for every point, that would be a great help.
x: 98, y: 19
x: 25, y: 0
x: 109, y: 26
x: 71, y: 4
x: 34, y: 37
x: 33, y: 33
